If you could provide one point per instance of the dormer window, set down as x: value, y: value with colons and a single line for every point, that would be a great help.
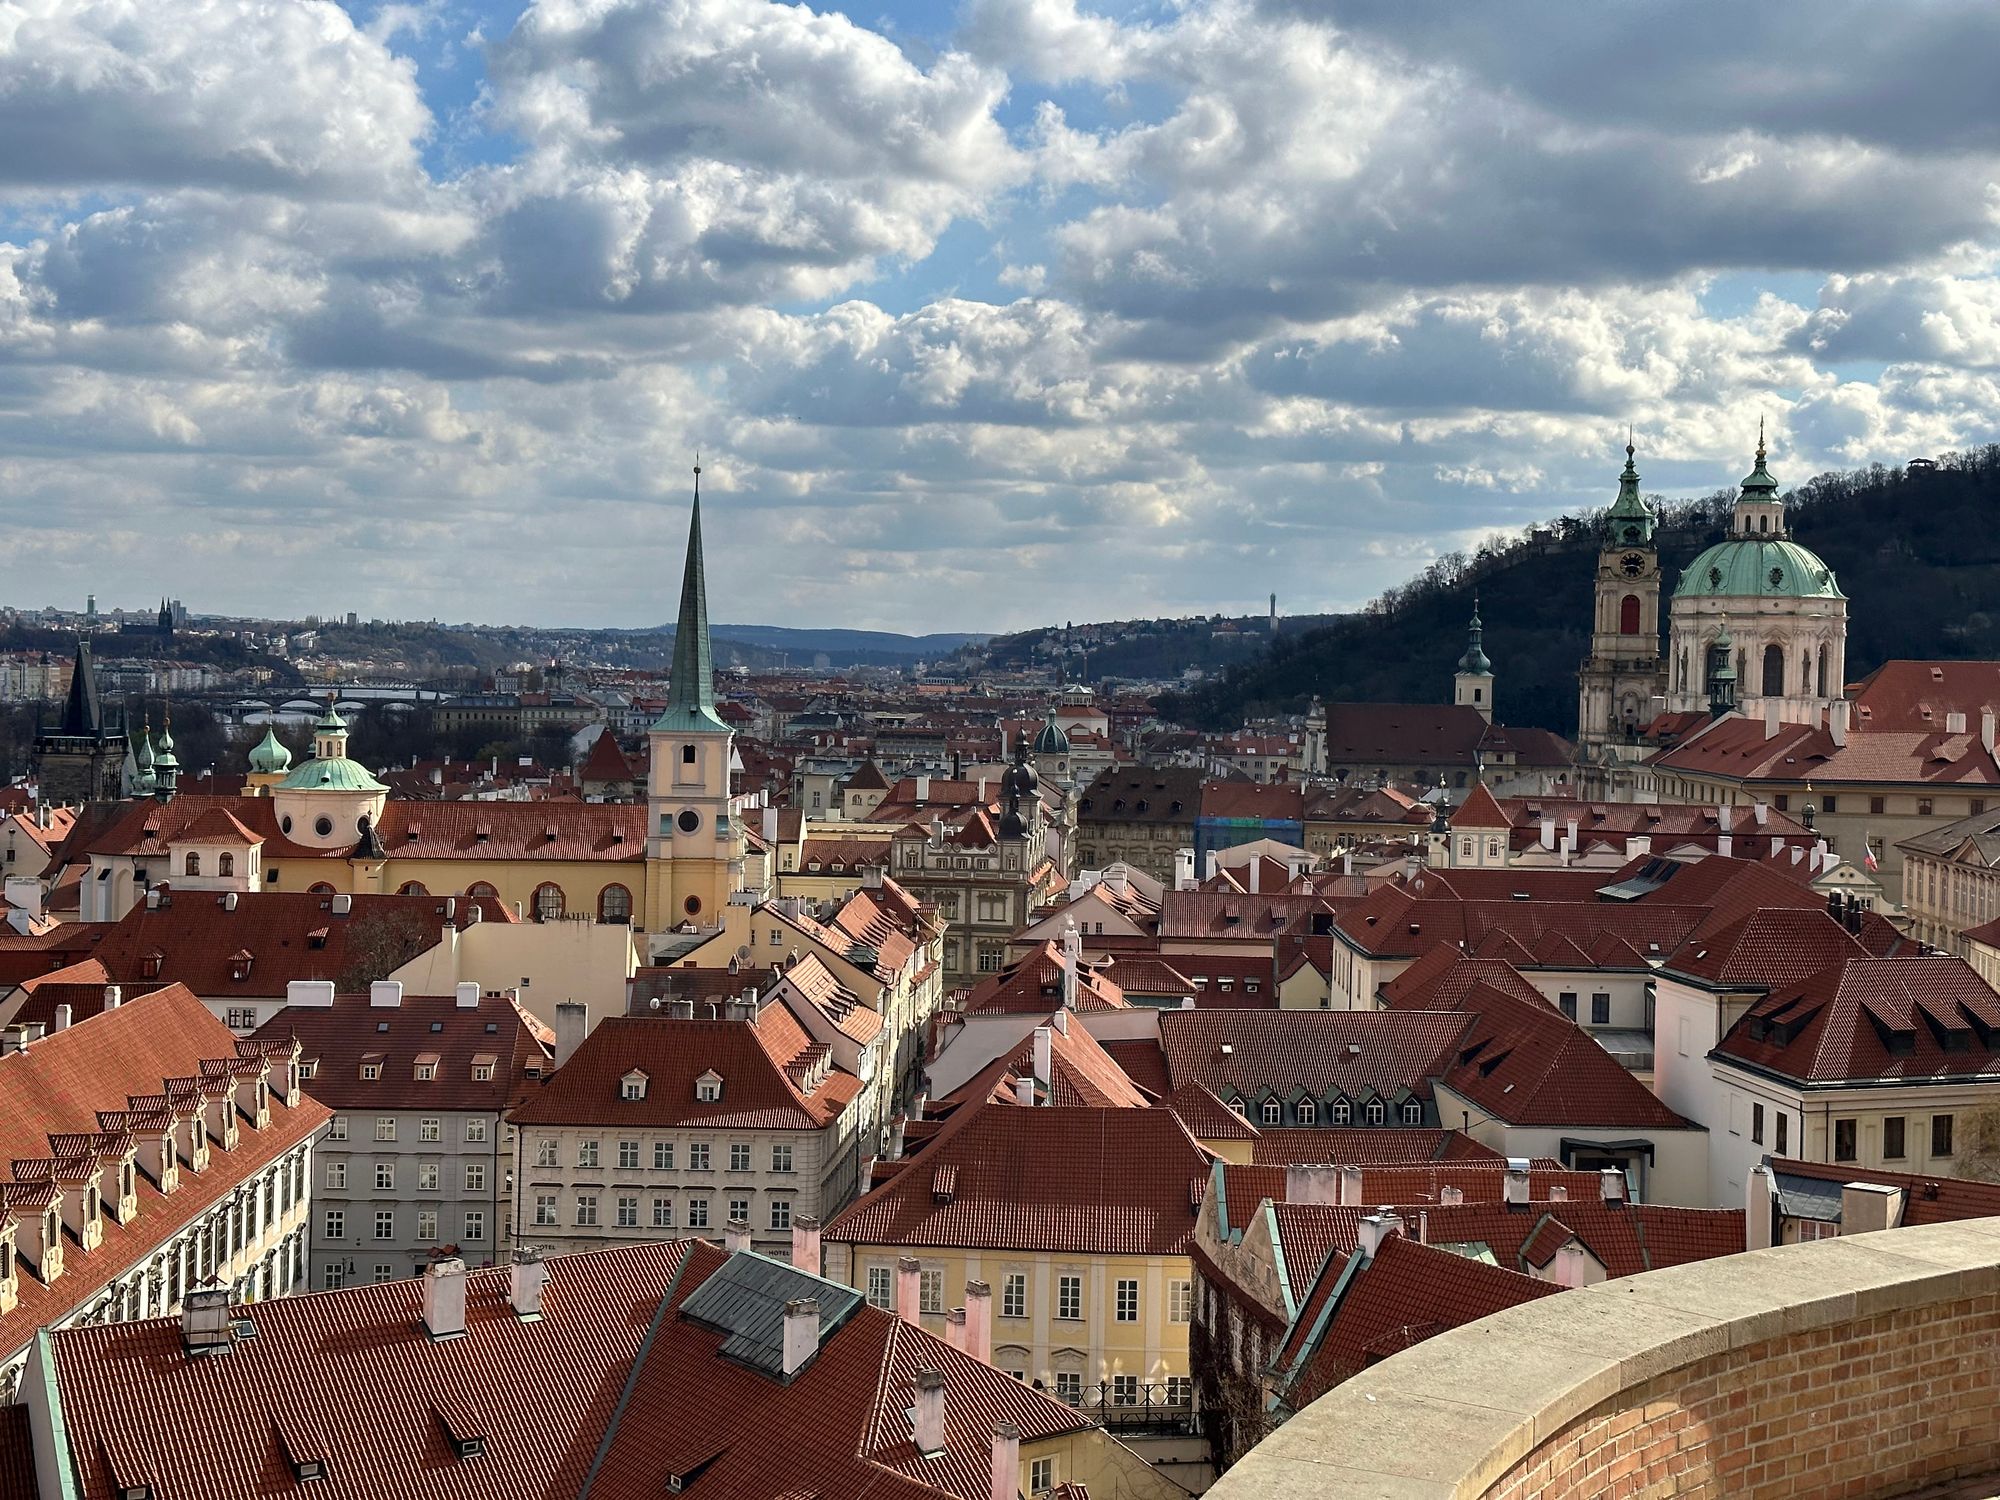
x: 708, y: 1088
x: 370, y: 1072
x: 427, y: 1067
x: 192, y: 865
x: 151, y: 962
x: 239, y: 964
x: 632, y: 1085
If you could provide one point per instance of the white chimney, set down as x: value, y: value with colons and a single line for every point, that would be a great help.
x: 1762, y: 813
x: 909, y: 1288
x: 1209, y: 872
x: 1836, y: 721
x: 385, y: 994
x: 1328, y: 1185
x: 923, y: 789
x: 1514, y: 1189
x: 1373, y: 1230
x: 801, y: 1334
x: 1072, y: 951
x: 736, y: 1235
x: 1024, y: 1092
x: 572, y: 1023
x: 805, y: 1245
x: 1612, y: 1186
x: 954, y: 1329
x: 1558, y: 1193
x: 1868, y: 1206
x: 1725, y: 845
x: 1760, y: 1195
x: 1548, y: 831
x: 1770, y: 718
x: 1060, y: 1020
x: 1450, y: 1197
x: 229, y: 901
x: 1256, y: 869
x: 1006, y: 1462
x: 979, y: 1321
x: 342, y: 904
x: 930, y: 1412
x: 318, y: 992
x: 444, y: 1298
x: 896, y: 1140
x: 525, y: 1279
x: 1572, y: 1264
x: 1044, y: 1057
x: 466, y: 993
x: 1986, y: 728
x: 770, y: 829
x: 1570, y: 832
x: 115, y: 997
x: 62, y: 1017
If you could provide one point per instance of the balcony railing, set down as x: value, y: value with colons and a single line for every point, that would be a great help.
x: 1158, y: 1407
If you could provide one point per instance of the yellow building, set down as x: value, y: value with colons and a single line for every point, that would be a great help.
x: 1078, y: 1221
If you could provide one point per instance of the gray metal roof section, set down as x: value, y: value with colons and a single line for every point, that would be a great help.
x: 745, y: 1301
x: 1808, y: 1198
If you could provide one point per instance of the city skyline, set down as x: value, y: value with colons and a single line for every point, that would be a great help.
x: 985, y: 315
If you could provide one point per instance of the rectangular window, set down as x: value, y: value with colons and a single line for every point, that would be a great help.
x: 697, y: 1213
x: 781, y: 1213
x: 1124, y: 1390
x: 628, y: 1154
x: 545, y: 1151
x: 930, y: 1292
x: 427, y: 1177
x: 336, y: 1174
x: 1567, y: 1001
x: 1892, y: 1138
x: 1180, y: 1301
x: 1875, y: 804
x: 336, y: 1128
x: 663, y: 1213
x: 698, y: 1156
x: 545, y: 1208
x: 739, y: 1157
x: 336, y: 1224
x: 429, y: 1129
x: 1013, y: 1295
x: 427, y: 1223
x: 1069, y: 1386
x: 628, y: 1211
x: 475, y: 1177
x: 739, y: 1210
x: 1843, y: 1140
x: 384, y: 1272
x: 586, y: 1153
x: 1830, y: 804
x: 1941, y: 1135
x: 1784, y: 1121
x: 1180, y: 1390
x: 1757, y: 1122
x: 475, y: 1224
x: 475, y: 1130
x: 332, y: 1277
x: 1069, y: 1297
x: 1782, y: 802
x: 880, y: 1279
x: 1041, y: 1476
x: 385, y: 1224
x: 586, y: 1208
x: 241, y: 1017
x: 385, y: 1127
x: 385, y: 1176
x: 663, y: 1156
x: 1923, y: 807
x: 1127, y: 1302
x: 1600, y: 1009
x: 781, y: 1158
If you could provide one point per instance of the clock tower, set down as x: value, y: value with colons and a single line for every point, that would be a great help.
x: 1623, y: 673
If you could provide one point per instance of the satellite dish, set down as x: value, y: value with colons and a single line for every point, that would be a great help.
x: 744, y: 953
x: 654, y: 1002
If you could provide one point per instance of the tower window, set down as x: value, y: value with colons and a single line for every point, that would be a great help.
x: 1774, y: 672
x: 193, y: 865
x: 1628, y: 615
x: 689, y: 820
x: 687, y: 755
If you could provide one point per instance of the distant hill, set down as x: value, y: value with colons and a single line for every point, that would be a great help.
x: 1917, y: 552
x: 767, y: 645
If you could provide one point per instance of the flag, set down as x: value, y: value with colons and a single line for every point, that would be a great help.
x: 1868, y: 860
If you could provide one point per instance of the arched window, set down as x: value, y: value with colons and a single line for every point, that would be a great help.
x: 614, y: 904
x: 480, y: 888
x: 1274, y: 1112
x: 319, y: 888
x: 225, y: 864
x: 1822, y: 669
x: 192, y: 865
x: 1308, y: 1112
x: 412, y: 888
x: 549, y: 902
x: 1628, y: 615
x: 1774, y: 672
x: 1376, y: 1113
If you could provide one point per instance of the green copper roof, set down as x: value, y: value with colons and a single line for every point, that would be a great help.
x: 270, y: 755
x: 1051, y: 740
x: 1757, y: 568
x: 330, y: 722
x: 1759, y: 485
x: 1630, y: 521
x: 331, y: 774
x: 1474, y: 661
x: 142, y: 748
x: 691, y: 694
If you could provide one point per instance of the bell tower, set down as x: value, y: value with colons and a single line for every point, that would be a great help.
x: 1623, y: 673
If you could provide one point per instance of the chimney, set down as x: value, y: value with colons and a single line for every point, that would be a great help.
x: 1986, y: 728
x: 62, y: 1017
x: 770, y: 829
x: 954, y: 1329
x: 801, y: 1334
x: 1760, y: 1203
x: 1569, y: 835
x: 1548, y: 830
x: 342, y: 904
x: 805, y: 1245
x: 115, y: 997
x: 1044, y: 1057
x: 444, y: 1297
x: 736, y: 1235
x: 681, y: 1008
x: 1374, y: 1229
x: 1328, y: 1185
x: 229, y: 901
x: 1762, y: 813
x: 979, y: 1321
x: 909, y: 1287
x: 1724, y: 844
x: 385, y: 994
x: 1572, y: 1264
x: 1514, y: 1189
x: 1558, y: 1193
x: 1450, y: 1197
x: 896, y: 1139
x: 1072, y: 952
x: 1006, y: 1462
x: 1256, y: 868
x: 1209, y: 873
x: 1024, y: 1092
x: 1612, y: 1186
x: 1836, y: 721
x: 526, y: 1277
x: 466, y: 994
x: 204, y: 1319
x: 1868, y: 1206
x: 1770, y: 718
x: 1060, y: 1021
x: 923, y: 789
x: 572, y: 1022
x: 930, y: 1412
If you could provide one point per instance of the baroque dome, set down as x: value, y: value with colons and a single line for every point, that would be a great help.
x: 1757, y: 568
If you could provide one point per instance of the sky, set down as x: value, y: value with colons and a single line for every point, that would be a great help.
x: 980, y: 313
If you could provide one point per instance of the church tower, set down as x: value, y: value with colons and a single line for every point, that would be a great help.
x: 1472, y: 684
x: 81, y: 759
x: 1623, y: 673
x: 694, y: 849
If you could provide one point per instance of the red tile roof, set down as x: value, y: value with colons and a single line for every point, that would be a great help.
x: 1034, y: 985
x: 336, y: 1037
x: 1086, y: 1181
x: 1082, y: 1074
x: 1358, y: 1055
x: 1386, y: 1146
x: 1927, y: 1200
x: 765, y: 1067
x: 605, y: 762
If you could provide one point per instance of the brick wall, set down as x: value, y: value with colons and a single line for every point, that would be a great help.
x: 1863, y: 1408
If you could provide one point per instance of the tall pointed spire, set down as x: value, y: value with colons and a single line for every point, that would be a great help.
x: 1631, y: 519
x: 81, y: 712
x: 1475, y: 661
x: 691, y: 694
x: 1760, y: 484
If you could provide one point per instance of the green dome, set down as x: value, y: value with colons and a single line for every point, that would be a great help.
x: 1052, y: 740
x: 331, y: 774
x: 270, y: 756
x: 1757, y: 568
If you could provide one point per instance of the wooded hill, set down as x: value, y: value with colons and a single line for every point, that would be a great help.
x: 1916, y: 551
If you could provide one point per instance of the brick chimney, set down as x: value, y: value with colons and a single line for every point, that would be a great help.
x: 954, y: 1328
x: 805, y: 1245
x: 444, y: 1298
x: 1006, y: 1462
x: 979, y: 1321
x: 929, y: 1432
x: 801, y: 1334
x: 909, y: 1287
x: 526, y: 1277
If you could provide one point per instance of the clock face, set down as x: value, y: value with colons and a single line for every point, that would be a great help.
x: 1633, y: 563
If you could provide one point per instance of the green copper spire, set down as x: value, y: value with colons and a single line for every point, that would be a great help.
x: 691, y: 694
x: 1630, y: 523
x: 1474, y: 661
x: 1760, y: 485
